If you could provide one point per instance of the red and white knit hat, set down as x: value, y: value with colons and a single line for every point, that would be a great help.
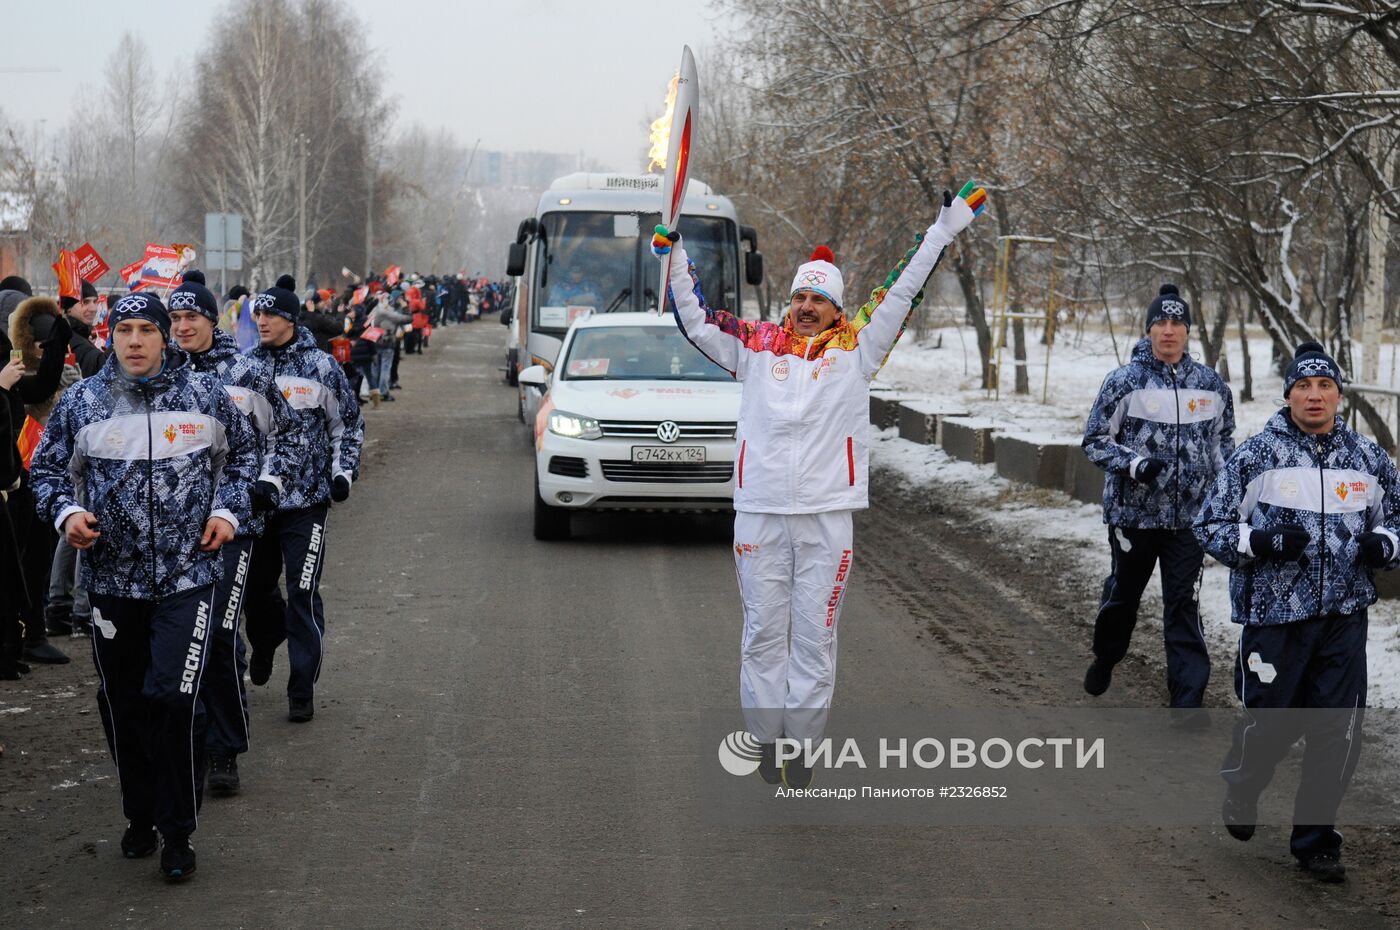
x: 820, y: 275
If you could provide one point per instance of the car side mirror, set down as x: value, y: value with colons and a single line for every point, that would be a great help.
x: 753, y: 268
x: 534, y: 376
x: 515, y: 260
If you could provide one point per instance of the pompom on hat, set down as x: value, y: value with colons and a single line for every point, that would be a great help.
x: 821, y: 276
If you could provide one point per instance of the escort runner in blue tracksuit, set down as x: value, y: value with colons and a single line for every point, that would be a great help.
x: 332, y: 430
x: 194, y: 316
x: 147, y: 466
x: 1304, y: 514
x: 1162, y: 427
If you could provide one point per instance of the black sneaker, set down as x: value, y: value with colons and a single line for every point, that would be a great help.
x: 59, y: 626
x: 82, y: 629
x: 223, y: 774
x: 768, y: 764
x: 46, y: 653
x: 176, y: 858
x: 795, y: 774
x: 1239, y: 816
x: 139, y: 841
x: 300, y: 711
x: 1098, y: 676
x: 1325, y: 867
x: 260, y: 667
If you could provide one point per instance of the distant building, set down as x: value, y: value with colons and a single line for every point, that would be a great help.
x: 529, y: 170
x: 15, y: 213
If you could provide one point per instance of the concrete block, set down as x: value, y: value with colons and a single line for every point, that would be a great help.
x: 884, y: 408
x: 969, y: 439
x: 1032, y: 458
x: 919, y: 420
x: 1388, y: 584
x: 1083, y: 479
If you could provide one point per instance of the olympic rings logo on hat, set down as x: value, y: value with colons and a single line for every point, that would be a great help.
x: 264, y: 302
x: 183, y: 300
x: 812, y: 277
x: 132, y: 303
x: 1173, y: 308
x: 1312, y: 367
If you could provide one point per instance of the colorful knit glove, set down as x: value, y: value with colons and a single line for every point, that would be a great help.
x: 663, y: 240
x: 959, y: 212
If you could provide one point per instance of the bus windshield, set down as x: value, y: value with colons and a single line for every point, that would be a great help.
x: 595, y: 262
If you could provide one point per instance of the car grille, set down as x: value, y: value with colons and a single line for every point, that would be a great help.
x: 646, y: 429
x: 568, y: 466
x: 668, y: 472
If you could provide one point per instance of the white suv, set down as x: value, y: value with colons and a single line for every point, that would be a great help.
x: 634, y: 418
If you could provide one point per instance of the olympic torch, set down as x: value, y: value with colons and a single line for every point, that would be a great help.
x: 683, y: 131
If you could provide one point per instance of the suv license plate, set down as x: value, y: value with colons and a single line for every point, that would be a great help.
x: 686, y: 454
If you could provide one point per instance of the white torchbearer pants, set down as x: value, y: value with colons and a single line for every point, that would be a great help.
x: 793, y: 570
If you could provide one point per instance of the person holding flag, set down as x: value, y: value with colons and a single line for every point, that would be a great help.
x: 803, y: 464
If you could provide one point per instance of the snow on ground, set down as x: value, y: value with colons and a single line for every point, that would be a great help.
x: 949, y: 374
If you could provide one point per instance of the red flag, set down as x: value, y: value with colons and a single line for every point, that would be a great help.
x: 90, y: 264
x: 392, y: 275
x: 69, y: 284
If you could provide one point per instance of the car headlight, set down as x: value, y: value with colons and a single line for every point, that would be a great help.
x: 574, y: 426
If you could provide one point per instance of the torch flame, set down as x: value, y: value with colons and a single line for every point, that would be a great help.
x: 661, y: 129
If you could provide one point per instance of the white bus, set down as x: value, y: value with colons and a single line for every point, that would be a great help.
x: 587, y: 250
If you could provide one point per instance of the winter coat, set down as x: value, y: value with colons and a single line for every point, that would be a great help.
x: 1182, y: 415
x: 89, y: 358
x: 36, y: 393
x: 250, y: 386
x: 362, y: 351
x: 327, y: 413
x: 802, y: 443
x: 153, y: 460
x: 325, y: 326
x: 1334, y: 486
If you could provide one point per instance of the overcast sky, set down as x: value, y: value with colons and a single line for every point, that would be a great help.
x: 551, y: 75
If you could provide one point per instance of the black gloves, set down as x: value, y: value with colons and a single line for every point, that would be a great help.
x: 1376, y: 549
x: 1281, y: 545
x: 1147, y: 470
x: 263, y: 495
x: 340, y: 489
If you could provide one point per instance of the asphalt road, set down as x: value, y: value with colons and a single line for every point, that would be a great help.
x: 501, y: 733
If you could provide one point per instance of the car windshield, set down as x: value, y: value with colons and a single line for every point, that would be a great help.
x: 633, y: 353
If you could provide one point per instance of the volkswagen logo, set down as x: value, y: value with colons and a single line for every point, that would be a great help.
x: 668, y: 431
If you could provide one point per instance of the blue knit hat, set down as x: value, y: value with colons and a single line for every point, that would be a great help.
x: 193, y: 295
x: 280, y: 299
x: 140, y: 306
x: 1169, y: 306
x: 1310, y: 360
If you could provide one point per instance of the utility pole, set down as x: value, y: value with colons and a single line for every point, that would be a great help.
x: 301, y: 209
x: 452, y: 217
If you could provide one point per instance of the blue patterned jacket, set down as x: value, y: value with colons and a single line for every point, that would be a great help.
x: 1335, y: 486
x: 326, y: 411
x: 153, y: 461
x: 1183, y: 415
x: 249, y: 383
